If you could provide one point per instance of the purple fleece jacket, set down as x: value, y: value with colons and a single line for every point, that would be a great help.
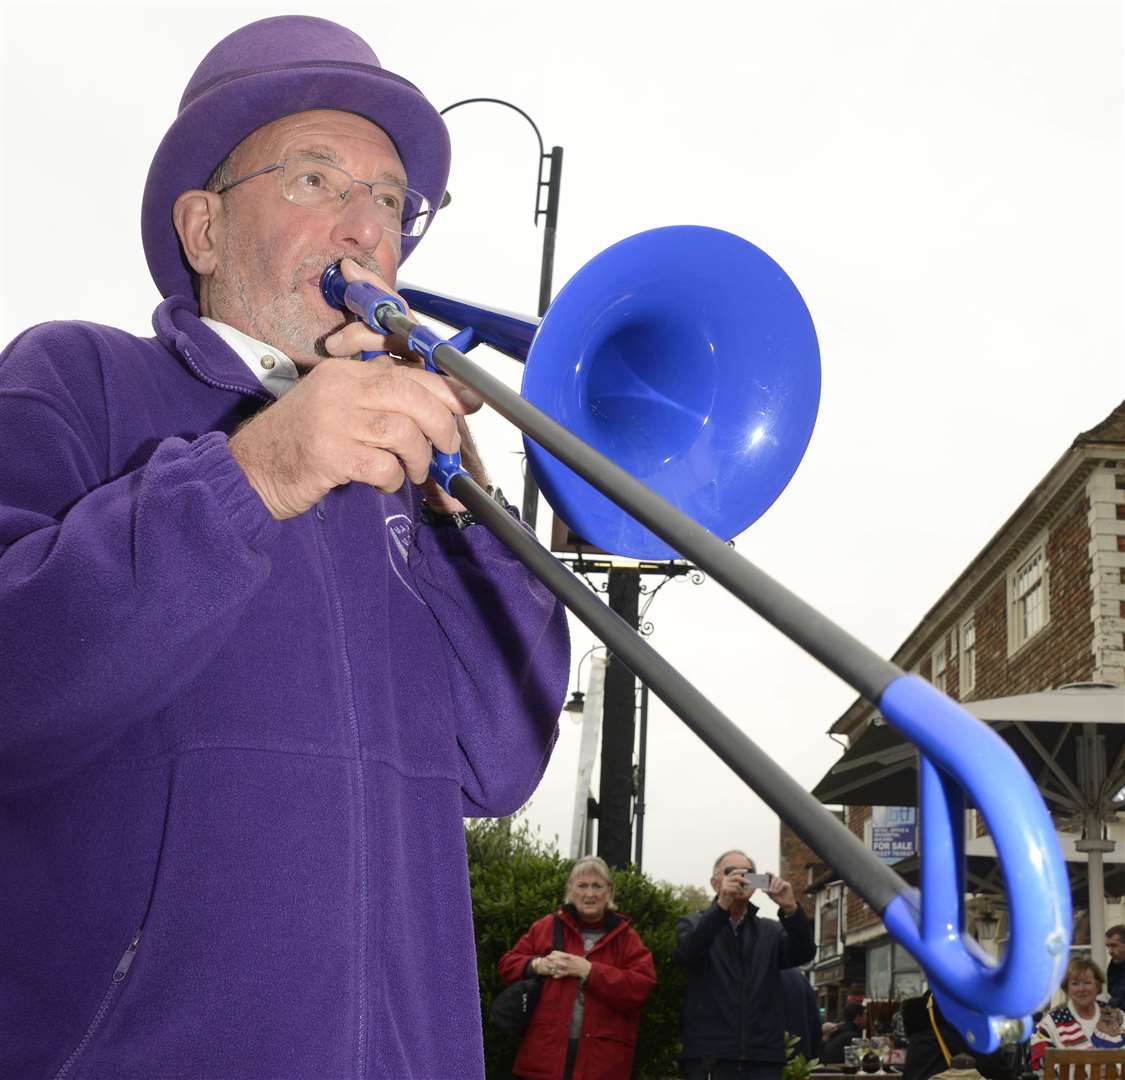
x: 235, y: 753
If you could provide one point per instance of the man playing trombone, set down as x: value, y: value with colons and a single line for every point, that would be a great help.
x: 252, y: 683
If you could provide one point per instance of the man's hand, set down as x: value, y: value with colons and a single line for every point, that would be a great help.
x: 781, y: 893
x: 731, y: 890
x: 372, y: 422
x: 358, y: 337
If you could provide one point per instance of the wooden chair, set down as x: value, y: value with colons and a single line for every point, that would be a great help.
x: 1083, y: 1064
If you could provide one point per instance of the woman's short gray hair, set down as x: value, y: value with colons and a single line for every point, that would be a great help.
x: 590, y: 862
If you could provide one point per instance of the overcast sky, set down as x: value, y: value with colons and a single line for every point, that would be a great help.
x: 941, y: 180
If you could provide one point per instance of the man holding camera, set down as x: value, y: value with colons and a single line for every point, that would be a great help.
x: 734, y: 1020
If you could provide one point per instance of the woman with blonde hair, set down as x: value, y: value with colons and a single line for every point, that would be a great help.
x: 1082, y: 1022
x: 585, y: 1025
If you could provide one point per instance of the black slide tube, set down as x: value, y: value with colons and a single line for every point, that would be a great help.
x: 841, y: 653
x: 876, y: 882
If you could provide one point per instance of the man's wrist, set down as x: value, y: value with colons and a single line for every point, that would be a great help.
x: 436, y: 515
x: 453, y: 519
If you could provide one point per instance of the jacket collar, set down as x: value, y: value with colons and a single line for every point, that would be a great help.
x: 204, y: 353
x: 610, y: 921
x: 751, y: 909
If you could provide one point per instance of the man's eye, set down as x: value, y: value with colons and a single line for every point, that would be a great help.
x: 391, y: 200
x: 311, y: 180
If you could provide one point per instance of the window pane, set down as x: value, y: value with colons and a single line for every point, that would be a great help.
x: 1032, y: 610
x: 968, y: 655
x: 879, y: 972
x: 903, y: 961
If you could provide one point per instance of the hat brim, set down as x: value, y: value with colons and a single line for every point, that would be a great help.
x: 219, y: 119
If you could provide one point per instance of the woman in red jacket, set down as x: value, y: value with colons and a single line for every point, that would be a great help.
x: 585, y: 1025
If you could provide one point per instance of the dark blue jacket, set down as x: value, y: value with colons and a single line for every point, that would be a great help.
x: 802, y: 1015
x: 1115, y: 983
x: 733, y: 1005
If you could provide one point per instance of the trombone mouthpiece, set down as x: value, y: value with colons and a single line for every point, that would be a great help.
x: 360, y: 297
x: 333, y: 286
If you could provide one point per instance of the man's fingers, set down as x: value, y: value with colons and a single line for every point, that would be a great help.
x: 355, y: 338
x: 456, y: 398
x: 358, y: 337
x: 419, y: 395
x: 400, y: 436
x: 352, y: 271
x: 468, y: 400
x: 378, y: 468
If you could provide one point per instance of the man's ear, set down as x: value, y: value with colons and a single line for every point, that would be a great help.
x: 198, y: 217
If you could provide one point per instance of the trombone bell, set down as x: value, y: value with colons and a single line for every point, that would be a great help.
x: 687, y: 357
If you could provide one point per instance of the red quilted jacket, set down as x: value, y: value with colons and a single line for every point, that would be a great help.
x: 621, y: 978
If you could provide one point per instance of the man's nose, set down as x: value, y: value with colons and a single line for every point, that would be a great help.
x: 359, y: 225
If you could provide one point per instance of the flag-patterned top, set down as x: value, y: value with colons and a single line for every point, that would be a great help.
x: 1064, y: 1030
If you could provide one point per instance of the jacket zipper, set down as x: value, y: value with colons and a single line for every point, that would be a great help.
x: 353, y: 725
x: 119, y: 974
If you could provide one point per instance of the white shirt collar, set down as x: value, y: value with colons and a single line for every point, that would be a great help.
x: 273, y: 369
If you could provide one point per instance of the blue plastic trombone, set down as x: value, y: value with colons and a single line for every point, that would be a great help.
x: 669, y: 394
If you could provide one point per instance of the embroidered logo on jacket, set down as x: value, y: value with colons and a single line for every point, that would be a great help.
x: 400, y: 535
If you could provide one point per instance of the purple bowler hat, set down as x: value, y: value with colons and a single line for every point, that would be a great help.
x: 260, y: 73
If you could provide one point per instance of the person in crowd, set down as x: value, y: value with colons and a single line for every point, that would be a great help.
x: 734, y: 1016
x: 1115, y: 970
x: 933, y: 1042
x: 1082, y: 1022
x: 802, y: 1017
x: 257, y: 666
x: 853, y: 1026
x: 585, y: 1024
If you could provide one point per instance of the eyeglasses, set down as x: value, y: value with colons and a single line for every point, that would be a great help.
x: 319, y: 186
x: 591, y: 886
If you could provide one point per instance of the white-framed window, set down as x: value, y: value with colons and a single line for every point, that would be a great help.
x: 974, y: 824
x: 937, y: 665
x: 968, y: 664
x: 1028, y: 608
x: 829, y: 925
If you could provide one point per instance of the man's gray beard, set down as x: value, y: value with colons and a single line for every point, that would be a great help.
x: 286, y: 324
x: 292, y: 321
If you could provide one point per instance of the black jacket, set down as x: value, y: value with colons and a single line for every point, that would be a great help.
x: 924, y: 1056
x: 1115, y: 983
x: 733, y: 1006
x: 802, y: 1016
x: 833, y: 1052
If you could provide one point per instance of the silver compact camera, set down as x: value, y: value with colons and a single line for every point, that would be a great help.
x: 750, y: 880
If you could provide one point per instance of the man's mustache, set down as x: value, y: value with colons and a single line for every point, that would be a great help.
x: 319, y: 263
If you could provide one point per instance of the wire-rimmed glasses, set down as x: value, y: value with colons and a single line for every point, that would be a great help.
x: 322, y: 186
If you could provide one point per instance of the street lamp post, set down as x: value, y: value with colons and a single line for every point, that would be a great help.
x: 552, y: 164
x: 622, y: 787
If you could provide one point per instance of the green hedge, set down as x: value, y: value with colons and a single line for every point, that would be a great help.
x: 517, y: 878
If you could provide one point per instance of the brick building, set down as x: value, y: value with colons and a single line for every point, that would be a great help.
x: 1042, y: 605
